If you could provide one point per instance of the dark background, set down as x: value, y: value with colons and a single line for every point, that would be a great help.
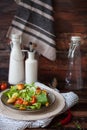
x: 70, y: 20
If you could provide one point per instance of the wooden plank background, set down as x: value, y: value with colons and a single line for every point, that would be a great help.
x: 70, y: 20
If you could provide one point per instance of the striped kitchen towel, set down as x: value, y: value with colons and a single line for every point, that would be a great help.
x: 34, y: 21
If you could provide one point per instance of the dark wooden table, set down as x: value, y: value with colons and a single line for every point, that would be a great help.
x: 79, y: 111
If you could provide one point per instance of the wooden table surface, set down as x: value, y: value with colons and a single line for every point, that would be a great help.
x: 79, y: 114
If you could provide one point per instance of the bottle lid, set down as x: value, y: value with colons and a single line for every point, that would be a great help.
x: 31, y: 55
x: 76, y: 38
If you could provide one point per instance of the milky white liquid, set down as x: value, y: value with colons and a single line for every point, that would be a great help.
x: 16, y: 73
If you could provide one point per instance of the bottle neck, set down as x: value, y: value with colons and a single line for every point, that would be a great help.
x: 16, y: 44
x: 31, y: 55
x: 73, y: 47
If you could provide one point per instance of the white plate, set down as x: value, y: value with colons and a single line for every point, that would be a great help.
x: 53, y: 110
x: 4, y: 98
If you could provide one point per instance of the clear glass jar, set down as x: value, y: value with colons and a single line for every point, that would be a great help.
x: 74, y: 74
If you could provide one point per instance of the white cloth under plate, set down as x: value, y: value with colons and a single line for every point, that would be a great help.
x: 7, y: 124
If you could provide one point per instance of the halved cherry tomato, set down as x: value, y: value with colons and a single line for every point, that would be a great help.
x: 19, y: 101
x: 33, y: 100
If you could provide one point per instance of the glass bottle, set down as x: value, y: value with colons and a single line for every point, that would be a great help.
x: 31, y: 68
x: 16, y: 63
x: 74, y: 74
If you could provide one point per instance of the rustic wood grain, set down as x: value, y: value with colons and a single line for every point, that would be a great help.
x: 70, y: 20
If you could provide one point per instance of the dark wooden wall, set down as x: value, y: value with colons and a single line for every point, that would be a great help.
x: 70, y: 20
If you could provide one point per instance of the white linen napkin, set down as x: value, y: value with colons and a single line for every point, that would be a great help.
x: 34, y: 21
x: 5, y: 123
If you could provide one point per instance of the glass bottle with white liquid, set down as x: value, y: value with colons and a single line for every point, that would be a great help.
x: 31, y: 68
x: 16, y: 63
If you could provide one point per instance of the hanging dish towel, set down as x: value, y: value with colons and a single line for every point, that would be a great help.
x: 34, y: 21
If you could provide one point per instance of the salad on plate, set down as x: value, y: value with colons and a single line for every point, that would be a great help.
x: 26, y: 97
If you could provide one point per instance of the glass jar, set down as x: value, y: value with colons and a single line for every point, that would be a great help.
x: 74, y: 74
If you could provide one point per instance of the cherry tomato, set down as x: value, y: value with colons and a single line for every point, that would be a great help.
x: 3, y: 86
x: 19, y: 101
x: 33, y: 100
